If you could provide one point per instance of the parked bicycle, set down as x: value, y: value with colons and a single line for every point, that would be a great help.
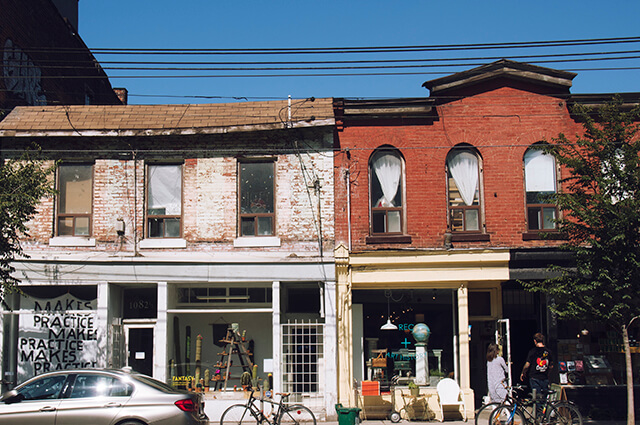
x: 484, y: 412
x: 277, y: 413
x: 541, y: 410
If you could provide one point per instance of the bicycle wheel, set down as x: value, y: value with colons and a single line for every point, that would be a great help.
x: 238, y: 414
x: 564, y: 413
x: 507, y: 415
x: 298, y: 414
x: 484, y: 413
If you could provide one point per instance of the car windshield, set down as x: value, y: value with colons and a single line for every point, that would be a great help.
x: 161, y: 386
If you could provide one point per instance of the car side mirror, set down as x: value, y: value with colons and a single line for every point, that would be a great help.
x: 12, y: 396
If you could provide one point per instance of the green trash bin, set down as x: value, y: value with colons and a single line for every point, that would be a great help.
x: 348, y: 415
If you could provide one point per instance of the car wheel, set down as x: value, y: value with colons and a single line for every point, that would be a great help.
x: 132, y: 423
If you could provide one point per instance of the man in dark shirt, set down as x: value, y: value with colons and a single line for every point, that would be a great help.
x: 538, y: 365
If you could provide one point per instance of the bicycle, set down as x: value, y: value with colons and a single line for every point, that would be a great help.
x: 538, y: 412
x: 280, y: 413
x: 483, y: 414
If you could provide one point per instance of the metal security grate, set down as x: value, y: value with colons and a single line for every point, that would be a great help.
x: 302, y: 357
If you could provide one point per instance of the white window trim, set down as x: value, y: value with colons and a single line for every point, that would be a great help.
x: 256, y: 241
x: 162, y: 243
x: 70, y: 241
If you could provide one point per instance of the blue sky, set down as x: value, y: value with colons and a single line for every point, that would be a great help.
x: 247, y: 24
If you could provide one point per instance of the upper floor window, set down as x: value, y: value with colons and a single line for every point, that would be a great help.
x: 164, y: 201
x: 386, y: 171
x: 256, y: 191
x: 463, y: 172
x: 75, y: 185
x: 540, y: 187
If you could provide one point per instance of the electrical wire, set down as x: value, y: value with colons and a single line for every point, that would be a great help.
x: 359, y: 49
x: 76, y: 64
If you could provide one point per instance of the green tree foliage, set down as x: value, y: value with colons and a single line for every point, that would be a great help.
x: 600, y: 205
x: 24, y: 182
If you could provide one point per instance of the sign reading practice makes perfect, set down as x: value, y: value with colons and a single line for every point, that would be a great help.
x: 58, y: 333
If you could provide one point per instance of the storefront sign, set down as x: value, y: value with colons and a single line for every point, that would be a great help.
x: 58, y: 333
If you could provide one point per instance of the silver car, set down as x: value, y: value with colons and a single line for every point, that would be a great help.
x: 99, y: 397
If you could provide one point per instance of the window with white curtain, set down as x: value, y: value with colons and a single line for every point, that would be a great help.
x: 386, y: 177
x: 164, y: 201
x: 540, y: 187
x: 463, y: 173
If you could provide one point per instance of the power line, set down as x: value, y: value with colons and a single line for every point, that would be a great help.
x: 377, y: 49
x: 317, y: 68
x: 478, y: 58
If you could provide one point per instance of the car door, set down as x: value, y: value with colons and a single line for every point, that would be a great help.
x: 36, y: 404
x: 93, y: 395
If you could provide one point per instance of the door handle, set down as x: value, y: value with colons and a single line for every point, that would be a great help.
x: 113, y: 404
x: 48, y: 409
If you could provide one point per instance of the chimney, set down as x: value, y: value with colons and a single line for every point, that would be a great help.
x: 123, y: 94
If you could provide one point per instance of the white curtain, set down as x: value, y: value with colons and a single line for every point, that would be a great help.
x: 165, y: 182
x: 388, y: 169
x: 539, y: 172
x: 464, y: 170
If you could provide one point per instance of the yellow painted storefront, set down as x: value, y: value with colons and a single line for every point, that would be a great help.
x: 459, y: 271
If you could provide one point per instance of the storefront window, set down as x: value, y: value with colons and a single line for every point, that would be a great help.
x: 589, y: 353
x: 392, y: 353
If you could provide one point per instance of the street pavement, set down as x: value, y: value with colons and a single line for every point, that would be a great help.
x: 586, y: 421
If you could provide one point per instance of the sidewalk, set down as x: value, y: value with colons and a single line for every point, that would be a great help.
x: 586, y: 421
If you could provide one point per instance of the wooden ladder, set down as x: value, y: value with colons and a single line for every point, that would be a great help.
x: 234, y: 345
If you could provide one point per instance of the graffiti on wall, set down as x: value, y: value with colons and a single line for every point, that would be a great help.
x: 57, y: 333
x: 21, y: 75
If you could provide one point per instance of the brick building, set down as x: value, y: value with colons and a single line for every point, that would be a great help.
x: 44, y: 60
x: 440, y: 209
x: 174, y: 221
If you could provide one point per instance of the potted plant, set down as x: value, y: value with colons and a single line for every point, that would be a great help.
x: 245, y: 380
x: 414, y: 388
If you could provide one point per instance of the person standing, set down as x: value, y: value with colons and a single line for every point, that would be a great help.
x: 496, y: 374
x: 538, y: 365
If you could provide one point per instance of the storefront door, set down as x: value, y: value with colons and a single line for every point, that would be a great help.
x: 140, y: 349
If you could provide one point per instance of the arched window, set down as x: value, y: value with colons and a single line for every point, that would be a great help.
x: 386, y: 174
x: 540, y: 187
x: 463, y: 172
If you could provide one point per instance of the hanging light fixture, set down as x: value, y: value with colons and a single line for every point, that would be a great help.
x: 388, y: 326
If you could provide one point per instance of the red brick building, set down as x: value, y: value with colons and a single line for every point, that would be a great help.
x: 440, y: 206
x: 44, y: 60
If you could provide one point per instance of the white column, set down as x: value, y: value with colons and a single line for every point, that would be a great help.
x: 463, y: 335
x: 330, y: 350
x: 3, y: 386
x: 103, y: 327
x: 160, y: 335
x: 277, y: 337
x: 422, y: 364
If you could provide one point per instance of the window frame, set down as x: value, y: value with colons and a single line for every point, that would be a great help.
x: 255, y: 216
x: 479, y: 208
x: 539, y: 207
x: 74, y: 216
x: 163, y: 217
x: 382, y: 210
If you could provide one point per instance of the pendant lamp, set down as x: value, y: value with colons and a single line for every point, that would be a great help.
x: 388, y: 326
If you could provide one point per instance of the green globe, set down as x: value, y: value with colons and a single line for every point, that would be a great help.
x: 421, y: 333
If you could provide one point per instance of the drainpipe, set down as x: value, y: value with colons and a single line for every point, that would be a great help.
x: 346, y: 179
x: 135, y: 205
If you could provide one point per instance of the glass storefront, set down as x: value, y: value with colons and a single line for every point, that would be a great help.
x: 389, y: 347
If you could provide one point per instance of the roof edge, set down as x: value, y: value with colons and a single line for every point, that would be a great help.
x: 501, y: 68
